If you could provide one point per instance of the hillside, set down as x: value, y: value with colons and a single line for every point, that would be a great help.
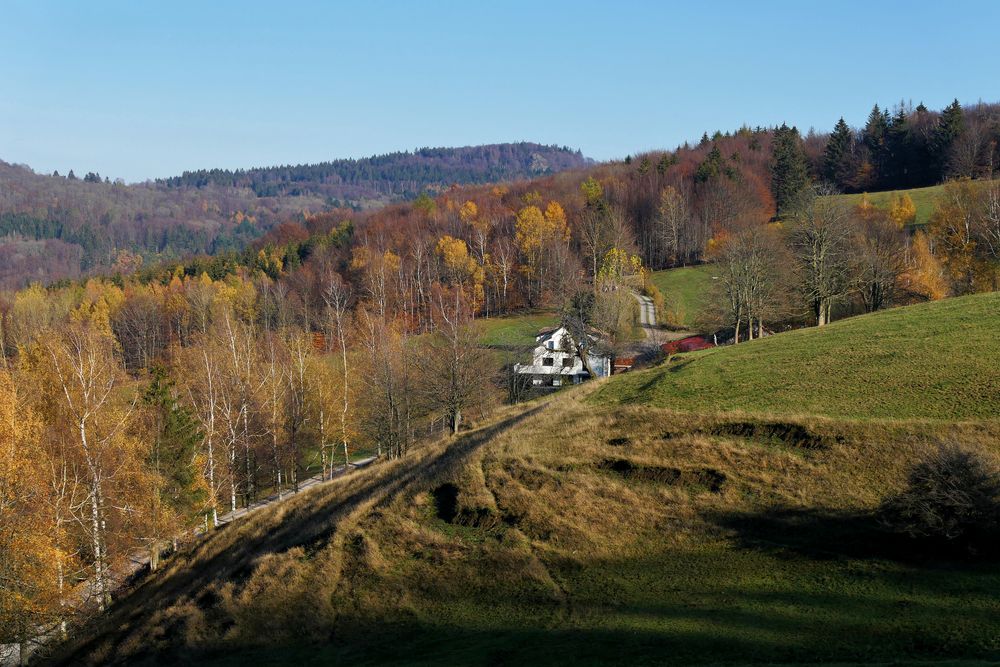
x: 55, y: 227
x: 687, y: 292
x: 931, y: 361
x: 578, y: 530
x: 381, y: 179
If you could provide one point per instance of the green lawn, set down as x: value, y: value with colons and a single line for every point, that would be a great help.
x: 925, y: 199
x: 515, y: 330
x: 938, y: 360
x: 686, y: 291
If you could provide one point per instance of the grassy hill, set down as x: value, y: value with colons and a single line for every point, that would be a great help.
x: 925, y: 199
x: 938, y: 360
x: 515, y: 330
x: 686, y: 292
x: 583, y: 530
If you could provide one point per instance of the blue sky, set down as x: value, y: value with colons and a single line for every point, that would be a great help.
x: 141, y: 89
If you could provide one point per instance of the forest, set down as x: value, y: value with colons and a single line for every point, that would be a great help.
x: 138, y: 406
x: 393, y: 176
x: 54, y: 227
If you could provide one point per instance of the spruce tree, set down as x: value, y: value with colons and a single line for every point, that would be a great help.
x: 874, y: 137
x: 838, y: 161
x: 949, y: 127
x: 898, y: 151
x: 789, y: 173
x: 710, y: 168
x: 175, y: 448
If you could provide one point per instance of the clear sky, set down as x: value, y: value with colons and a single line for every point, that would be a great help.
x: 138, y: 89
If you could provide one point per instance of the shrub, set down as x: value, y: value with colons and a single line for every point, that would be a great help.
x: 952, y: 498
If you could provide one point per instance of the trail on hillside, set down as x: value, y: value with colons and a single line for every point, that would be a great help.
x: 306, y: 520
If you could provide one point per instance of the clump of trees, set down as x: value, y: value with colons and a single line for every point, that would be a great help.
x: 951, y: 501
x: 911, y: 147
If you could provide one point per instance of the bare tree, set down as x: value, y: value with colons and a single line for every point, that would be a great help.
x: 672, y: 223
x: 879, y: 261
x: 753, y: 281
x: 337, y: 296
x: 820, y: 240
x: 455, y: 376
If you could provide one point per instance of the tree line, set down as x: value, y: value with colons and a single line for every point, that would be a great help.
x: 393, y: 175
x: 912, y: 147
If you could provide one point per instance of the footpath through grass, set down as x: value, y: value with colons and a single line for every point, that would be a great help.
x: 938, y: 360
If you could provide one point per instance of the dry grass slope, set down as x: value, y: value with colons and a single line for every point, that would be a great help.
x: 584, y: 531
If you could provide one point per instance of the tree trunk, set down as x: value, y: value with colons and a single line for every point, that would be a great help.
x: 95, y: 527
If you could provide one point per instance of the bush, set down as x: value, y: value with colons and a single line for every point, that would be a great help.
x: 952, y: 498
x: 659, y: 303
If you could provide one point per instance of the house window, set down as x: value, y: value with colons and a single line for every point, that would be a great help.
x: 551, y: 345
x: 547, y: 361
x: 567, y: 362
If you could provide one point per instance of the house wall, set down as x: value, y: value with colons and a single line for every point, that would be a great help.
x: 551, y: 347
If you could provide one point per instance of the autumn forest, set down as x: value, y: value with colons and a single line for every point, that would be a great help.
x: 175, y: 351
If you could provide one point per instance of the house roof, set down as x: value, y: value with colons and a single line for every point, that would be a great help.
x: 546, y: 333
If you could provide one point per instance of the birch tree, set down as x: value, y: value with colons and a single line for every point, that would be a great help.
x: 455, y: 378
x: 95, y: 410
x: 337, y: 296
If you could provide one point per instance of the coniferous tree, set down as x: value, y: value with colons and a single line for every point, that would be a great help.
x: 923, y: 170
x: 839, y: 163
x: 789, y: 173
x: 175, y: 449
x: 899, y: 158
x: 949, y: 128
x: 874, y: 138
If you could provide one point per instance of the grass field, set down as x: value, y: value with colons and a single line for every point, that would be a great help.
x: 938, y: 360
x: 515, y: 330
x: 925, y: 199
x: 622, y: 522
x: 686, y: 292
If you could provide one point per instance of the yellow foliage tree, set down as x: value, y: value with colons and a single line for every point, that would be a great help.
x: 902, y: 210
x: 536, y: 234
x: 925, y: 275
x: 461, y: 269
x: 28, y: 555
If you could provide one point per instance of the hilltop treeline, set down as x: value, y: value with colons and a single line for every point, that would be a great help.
x: 392, y: 176
x: 911, y: 147
x: 55, y: 227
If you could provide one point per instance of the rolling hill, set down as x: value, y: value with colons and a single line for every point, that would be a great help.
x: 56, y: 227
x: 931, y: 361
x: 632, y: 521
x: 381, y: 179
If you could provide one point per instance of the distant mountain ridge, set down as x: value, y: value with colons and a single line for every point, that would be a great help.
x: 364, y: 182
x: 55, y: 227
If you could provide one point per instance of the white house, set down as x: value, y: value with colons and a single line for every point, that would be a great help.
x: 553, y: 365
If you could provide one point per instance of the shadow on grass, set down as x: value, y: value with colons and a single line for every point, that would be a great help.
x: 830, y: 534
x: 308, y: 520
x: 785, y: 626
